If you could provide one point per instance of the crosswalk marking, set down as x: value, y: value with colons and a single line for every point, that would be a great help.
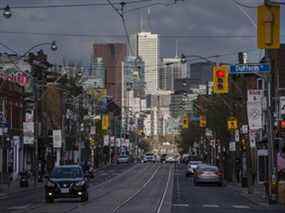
x: 241, y: 206
x: 211, y: 206
x: 181, y: 205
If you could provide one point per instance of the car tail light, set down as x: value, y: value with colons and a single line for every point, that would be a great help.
x: 219, y: 173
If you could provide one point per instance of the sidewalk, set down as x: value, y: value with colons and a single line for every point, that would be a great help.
x: 14, y: 187
x: 258, y: 196
x: 6, y: 190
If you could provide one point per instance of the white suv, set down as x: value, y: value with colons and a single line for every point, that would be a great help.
x: 149, y: 158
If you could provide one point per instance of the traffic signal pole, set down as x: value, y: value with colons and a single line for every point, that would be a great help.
x: 36, y: 130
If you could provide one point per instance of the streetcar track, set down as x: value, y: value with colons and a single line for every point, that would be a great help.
x: 159, y: 206
x: 112, y: 189
x: 122, y: 204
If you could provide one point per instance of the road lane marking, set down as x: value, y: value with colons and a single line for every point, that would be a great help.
x: 241, y: 207
x: 165, y: 191
x: 19, y: 207
x: 211, y: 206
x: 180, y: 205
x: 136, y: 193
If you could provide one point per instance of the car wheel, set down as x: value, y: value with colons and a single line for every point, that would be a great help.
x: 85, y: 197
x: 49, y: 199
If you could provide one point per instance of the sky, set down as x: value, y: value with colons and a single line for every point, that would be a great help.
x: 188, y: 18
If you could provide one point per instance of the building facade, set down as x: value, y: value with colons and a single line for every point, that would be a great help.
x: 171, y: 69
x: 146, y: 45
x: 113, y: 54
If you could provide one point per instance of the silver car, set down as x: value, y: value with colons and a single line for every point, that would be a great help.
x: 123, y: 159
x: 208, y: 174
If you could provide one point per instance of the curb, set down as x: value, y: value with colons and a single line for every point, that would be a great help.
x: 253, y: 200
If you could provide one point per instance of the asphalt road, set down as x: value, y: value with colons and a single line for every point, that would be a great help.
x: 211, y: 199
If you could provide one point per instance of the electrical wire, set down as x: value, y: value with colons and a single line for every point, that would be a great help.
x: 75, y: 5
x: 244, y: 5
x: 166, y: 36
x: 122, y: 16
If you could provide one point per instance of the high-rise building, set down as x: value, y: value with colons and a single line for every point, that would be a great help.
x: 171, y: 69
x: 146, y: 46
x: 113, y: 54
x: 201, y: 71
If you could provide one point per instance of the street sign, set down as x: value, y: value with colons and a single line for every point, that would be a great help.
x: 244, y: 129
x: 57, y: 139
x: 249, y: 68
x: 255, y: 95
x: 232, y: 146
x: 252, y: 140
x: 254, y: 114
x: 237, y: 135
x: 106, y: 140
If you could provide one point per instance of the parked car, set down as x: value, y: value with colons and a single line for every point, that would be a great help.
x: 123, y: 159
x: 163, y: 158
x: 66, y: 181
x: 149, y: 157
x: 170, y: 159
x: 208, y: 174
x: 191, y: 167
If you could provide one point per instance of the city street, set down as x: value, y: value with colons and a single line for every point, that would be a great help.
x: 141, y: 188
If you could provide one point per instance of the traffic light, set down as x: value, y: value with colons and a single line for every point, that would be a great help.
x: 105, y: 122
x: 268, y: 27
x: 185, y: 122
x: 29, y: 103
x: 203, y: 121
x: 220, y: 79
x: 243, y: 145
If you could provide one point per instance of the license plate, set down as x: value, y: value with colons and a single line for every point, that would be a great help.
x: 64, y: 190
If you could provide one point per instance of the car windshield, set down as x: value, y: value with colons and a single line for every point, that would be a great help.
x: 209, y: 169
x: 195, y: 162
x: 67, y: 172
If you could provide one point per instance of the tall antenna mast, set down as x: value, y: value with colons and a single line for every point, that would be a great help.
x: 141, y: 21
x: 176, y: 49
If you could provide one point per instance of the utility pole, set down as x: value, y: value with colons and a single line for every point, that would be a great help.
x: 36, y: 129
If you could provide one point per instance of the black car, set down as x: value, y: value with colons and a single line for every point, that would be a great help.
x: 66, y: 181
x: 163, y: 158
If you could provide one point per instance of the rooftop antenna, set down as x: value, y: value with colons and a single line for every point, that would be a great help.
x: 149, y: 18
x: 141, y: 21
x: 176, y: 49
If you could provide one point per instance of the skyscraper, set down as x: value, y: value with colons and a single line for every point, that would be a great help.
x: 146, y: 46
x: 171, y: 69
x: 113, y: 55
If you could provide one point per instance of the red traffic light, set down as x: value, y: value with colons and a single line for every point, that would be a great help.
x: 220, y: 73
x: 282, y: 124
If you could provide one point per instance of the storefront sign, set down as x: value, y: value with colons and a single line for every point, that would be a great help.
x: 9, y: 72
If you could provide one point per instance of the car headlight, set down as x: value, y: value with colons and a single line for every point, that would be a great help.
x: 80, y: 183
x: 50, y: 184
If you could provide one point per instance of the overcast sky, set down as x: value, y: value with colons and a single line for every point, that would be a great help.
x: 191, y: 17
